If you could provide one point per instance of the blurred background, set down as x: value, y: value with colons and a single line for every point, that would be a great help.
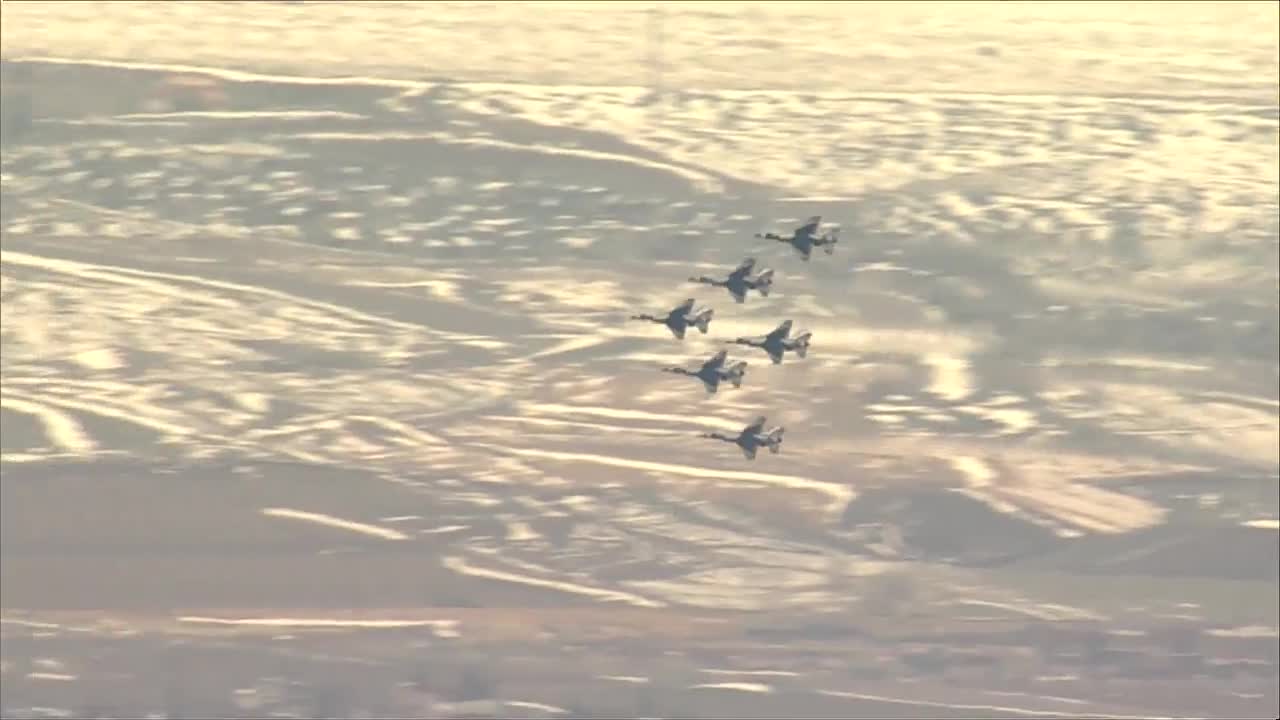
x: 321, y: 399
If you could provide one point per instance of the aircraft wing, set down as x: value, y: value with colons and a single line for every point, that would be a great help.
x: 739, y: 293
x: 711, y: 385
x: 755, y: 427
x: 749, y: 452
x: 684, y: 308
x: 780, y: 332
x: 810, y: 226
x: 744, y: 269
x: 775, y: 354
x: 716, y: 360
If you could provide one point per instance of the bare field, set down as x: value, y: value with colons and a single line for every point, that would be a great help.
x: 322, y: 396
x: 1185, y: 48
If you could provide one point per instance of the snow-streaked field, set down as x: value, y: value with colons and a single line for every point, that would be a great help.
x: 384, y: 318
x: 992, y: 47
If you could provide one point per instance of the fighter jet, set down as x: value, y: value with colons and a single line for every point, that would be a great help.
x: 713, y: 371
x: 778, y: 341
x: 740, y: 281
x: 681, y: 318
x: 752, y: 437
x: 805, y: 238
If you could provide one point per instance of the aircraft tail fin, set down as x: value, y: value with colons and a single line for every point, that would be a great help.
x: 802, y: 344
x: 703, y: 320
x: 775, y: 439
x: 764, y: 282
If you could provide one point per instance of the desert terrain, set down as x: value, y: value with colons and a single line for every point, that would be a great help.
x: 320, y: 396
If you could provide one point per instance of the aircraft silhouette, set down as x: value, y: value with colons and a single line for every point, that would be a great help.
x: 778, y: 342
x: 752, y: 438
x: 740, y: 281
x: 805, y: 238
x: 713, y: 371
x: 680, y: 318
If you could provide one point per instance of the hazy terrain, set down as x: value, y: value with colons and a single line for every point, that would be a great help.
x: 320, y: 396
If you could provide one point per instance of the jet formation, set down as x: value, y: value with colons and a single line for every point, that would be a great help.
x: 717, y: 369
